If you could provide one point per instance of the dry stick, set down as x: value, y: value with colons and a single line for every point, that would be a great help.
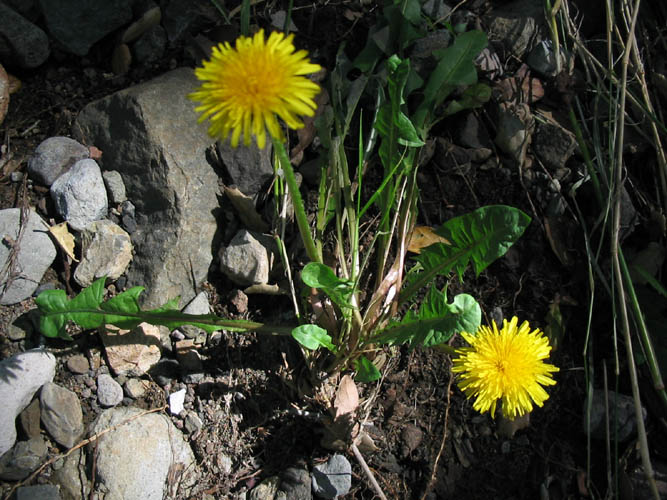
x: 368, y: 471
x: 429, y: 486
x: 92, y: 438
x: 641, y: 430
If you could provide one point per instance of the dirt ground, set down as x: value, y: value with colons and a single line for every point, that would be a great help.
x: 429, y: 442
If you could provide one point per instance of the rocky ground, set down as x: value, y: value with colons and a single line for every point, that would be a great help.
x: 99, y: 133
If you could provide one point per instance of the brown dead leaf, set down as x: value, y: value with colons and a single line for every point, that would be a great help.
x: 558, y: 233
x: 423, y: 236
x: 347, y: 397
x: 245, y: 207
x: 64, y: 239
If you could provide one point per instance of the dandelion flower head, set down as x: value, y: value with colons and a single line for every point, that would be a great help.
x: 246, y: 87
x: 507, y: 365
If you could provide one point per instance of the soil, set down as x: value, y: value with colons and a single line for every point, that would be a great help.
x: 429, y: 442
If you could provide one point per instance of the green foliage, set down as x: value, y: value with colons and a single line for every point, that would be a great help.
x: 89, y: 310
x: 479, y: 237
x: 313, y: 337
x: 323, y: 278
x: 366, y: 370
x: 435, y: 322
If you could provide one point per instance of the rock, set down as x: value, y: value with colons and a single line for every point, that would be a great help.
x: 135, y: 388
x: 471, y: 133
x: 176, y: 400
x: 246, y: 260
x: 21, y: 376
x: 34, y: 254
x: 240, y: 301
x: 187, y: 355
x: 436, y: 9
x: 79, y: 194
x: 517, y: 25
x: 621, y: 406
x: 175, y: 223
x: 23, y: 459
x: 61, y: 414
x: 411, y: 438
x: 553, y: 145
x: 150, y: 439
x: 132, y: 352
x: 514, y: 131
x: 78, y: 25
x: 184, y: 16
x: 541, y: 58
x: 249, y: 168
x: 115, y: 186
x: 266, y: 490
x: 109, y: 392
x: 41, y: 491
x: 24, y: 43
x: 106, y: 251
x: 192, y: 422
x: 151, y: 46
x: 30, y: 418
x: 165, y: 371
x: 69, y: 477
x: 198, y: 305
x: 53, y: 157
x: 333, y: 478
x: 295, y: 482
x: 78, y: 364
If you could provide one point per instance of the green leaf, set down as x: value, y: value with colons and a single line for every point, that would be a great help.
x: 323, y: 278
x: 366, y: 370
x: 479, y: 237
x: 313, y: 337
x: 88, y: 310
x: 472, y: 97
x: 436, y: 321
x: 455, y: 68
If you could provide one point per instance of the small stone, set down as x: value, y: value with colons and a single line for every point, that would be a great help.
x: 61, y: 414
x: 225, y: 463
x: 240, y: 301
x: 176, y: 400
x: 79, y: 194
x: 132, y: 352
x: 266, y: 489
x: 247, y: 259
x: 151, y: 46
x: 192, y: 422
x: 411, y: 438
x: 55, y: 156
x: 295, y: 483
x: 165, y: 371
x: 109, y: 392
x: 41, y: 491
x: 188, y: 356
x: 115, y: 186
x: 30, y: 418
x: 333, y: 478
x: 106, y: 251
x: 23, y: 459
x: 78, y: 364
x: 135, y: 388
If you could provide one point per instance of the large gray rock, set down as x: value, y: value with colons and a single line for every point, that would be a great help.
x: 79, y: 194
x: 24, y: 43
x: 21, y: 376
x: 135, y: 459
x: 53, y: 157
x: 61, y: 414
x: 149, y: 133
x: 33, y: 253
x: 106, y: 251
x: 78, y: 25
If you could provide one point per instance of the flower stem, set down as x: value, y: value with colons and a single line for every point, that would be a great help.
x: 297, y: 201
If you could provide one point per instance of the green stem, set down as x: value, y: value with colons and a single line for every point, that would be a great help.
x: 297, y: 201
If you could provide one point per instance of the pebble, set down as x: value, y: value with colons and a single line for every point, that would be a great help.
x: 61, y: 414
x: 115, y: 186
x: 53, y: 157
x: 41, y: 491
x: 109, y: 392
x: 135, y: 388
x: 176, y: 400
x: 78, y: 364
x: 23, y: 459
x: 333, y: 478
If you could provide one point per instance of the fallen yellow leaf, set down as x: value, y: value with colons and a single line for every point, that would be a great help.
x: 64, y: 239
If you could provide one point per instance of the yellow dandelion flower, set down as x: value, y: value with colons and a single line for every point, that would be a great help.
x: 246, y: 87
x: 507, y: 365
